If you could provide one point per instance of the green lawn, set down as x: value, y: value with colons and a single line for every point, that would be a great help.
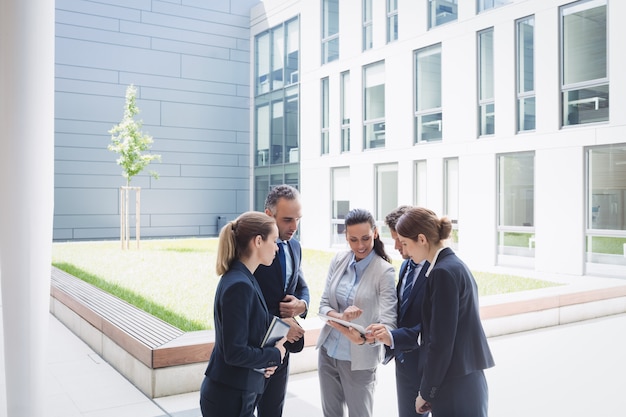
x: 175, y: 279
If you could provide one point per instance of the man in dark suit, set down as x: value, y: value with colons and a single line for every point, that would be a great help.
x: 401, y: 343
x: 284, y: 289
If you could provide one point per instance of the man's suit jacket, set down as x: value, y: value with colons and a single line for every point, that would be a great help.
x: 410, y: 323
x: 454, y: 342
x: 241, y: 320
x: 271, y: 281
x: 375, y: 295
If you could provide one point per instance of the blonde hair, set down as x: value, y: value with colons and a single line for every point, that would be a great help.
x: 237, y: 234
x: 422, y: 221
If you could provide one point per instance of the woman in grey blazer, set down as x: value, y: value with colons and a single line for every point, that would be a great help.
x: 360, y: 289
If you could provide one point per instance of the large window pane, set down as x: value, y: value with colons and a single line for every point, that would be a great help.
x: 345, y: 111
x: 526, y: 74
x: 263, y: 63
x: 421, y: 182
x: 606, y: 208
x: 490, y: 4
x: 292, y: 128
x: 278, y: 57
x: 451, y: 196
x: 325, y: 116
x: 585, y: 96
x: 441, y: 11
x: 330, y: 30
x: 340, y: 202
x: 392, y: 20
x: 277, y: 135
x: 386, y: 192
x: 428, y: 112
x: 486, y: 102
x: 368, y: 37
x: 263, y: 135
x: 516, y: 204
x: 293, y: 52
x: 374, y: 105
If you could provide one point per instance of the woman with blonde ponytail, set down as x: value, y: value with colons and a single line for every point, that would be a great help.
x: 235, y: 375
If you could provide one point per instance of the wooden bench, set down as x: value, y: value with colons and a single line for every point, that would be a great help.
x: 162, y: 360
x: 99, y: 318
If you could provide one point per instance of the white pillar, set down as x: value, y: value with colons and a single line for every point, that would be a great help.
x: 27, y: 197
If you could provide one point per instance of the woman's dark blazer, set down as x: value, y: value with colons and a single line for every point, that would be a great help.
x: 241, y: 320
x: 454, y: 342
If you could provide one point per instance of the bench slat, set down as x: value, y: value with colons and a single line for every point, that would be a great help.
x: 150, y: 330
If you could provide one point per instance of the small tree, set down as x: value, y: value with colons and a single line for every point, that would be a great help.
x: 128, y: 141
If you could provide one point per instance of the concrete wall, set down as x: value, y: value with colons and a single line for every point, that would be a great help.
x: 190, y: 62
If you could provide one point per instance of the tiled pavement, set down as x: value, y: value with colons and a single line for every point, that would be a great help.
x: 570, y: 370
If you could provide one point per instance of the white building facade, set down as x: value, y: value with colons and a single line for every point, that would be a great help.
x: 505, y: 116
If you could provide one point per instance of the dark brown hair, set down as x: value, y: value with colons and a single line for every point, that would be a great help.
x: 358, y: 216
x: 422, y: 221
x: 392, y: 218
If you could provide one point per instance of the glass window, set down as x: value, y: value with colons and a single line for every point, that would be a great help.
x: 441, y: 11
x: 368, y: 37
x: 606, y: 205
x: 330, y: 30
x: 340, y: 203
x: 526, y: 74
x: 374, y: 105
x: 325, y: 115
x: 263, y: 135
x: 420, y: 181
x: 490, y: 4
x: 451, y: 196
x: 486, y: 101
x: 278, y: 57
x: 277, y: 132
x: 392, y: 20
x: 293, y: 52
x: 277, y: 128
x: 292, y: 126
x: 428, y: 111
x: 585, y: 87
x: 263, y: 63
x: 345, y: 111
x: 386, y: 190
x: 516, y: 205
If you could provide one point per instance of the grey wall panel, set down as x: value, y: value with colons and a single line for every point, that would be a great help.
x: 205, y: 117
x: 87, y: 221
x: 212, y: 69
x: 190, y: 48
x: 82, y: 201
x: 190, y: 65
x: 116, y: 9
x: 214, y: 171
x: 102, y: 36
x: 122, y: 58
x: 189, y: 183
x: 89, y: 74
x: 66, y: 19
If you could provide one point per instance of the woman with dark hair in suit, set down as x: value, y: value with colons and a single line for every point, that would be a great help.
x: 360, y: 289
x: 235, y: 375
x: 454, y: 345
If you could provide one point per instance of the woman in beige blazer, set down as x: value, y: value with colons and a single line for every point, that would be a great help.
x: 360, y: 289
